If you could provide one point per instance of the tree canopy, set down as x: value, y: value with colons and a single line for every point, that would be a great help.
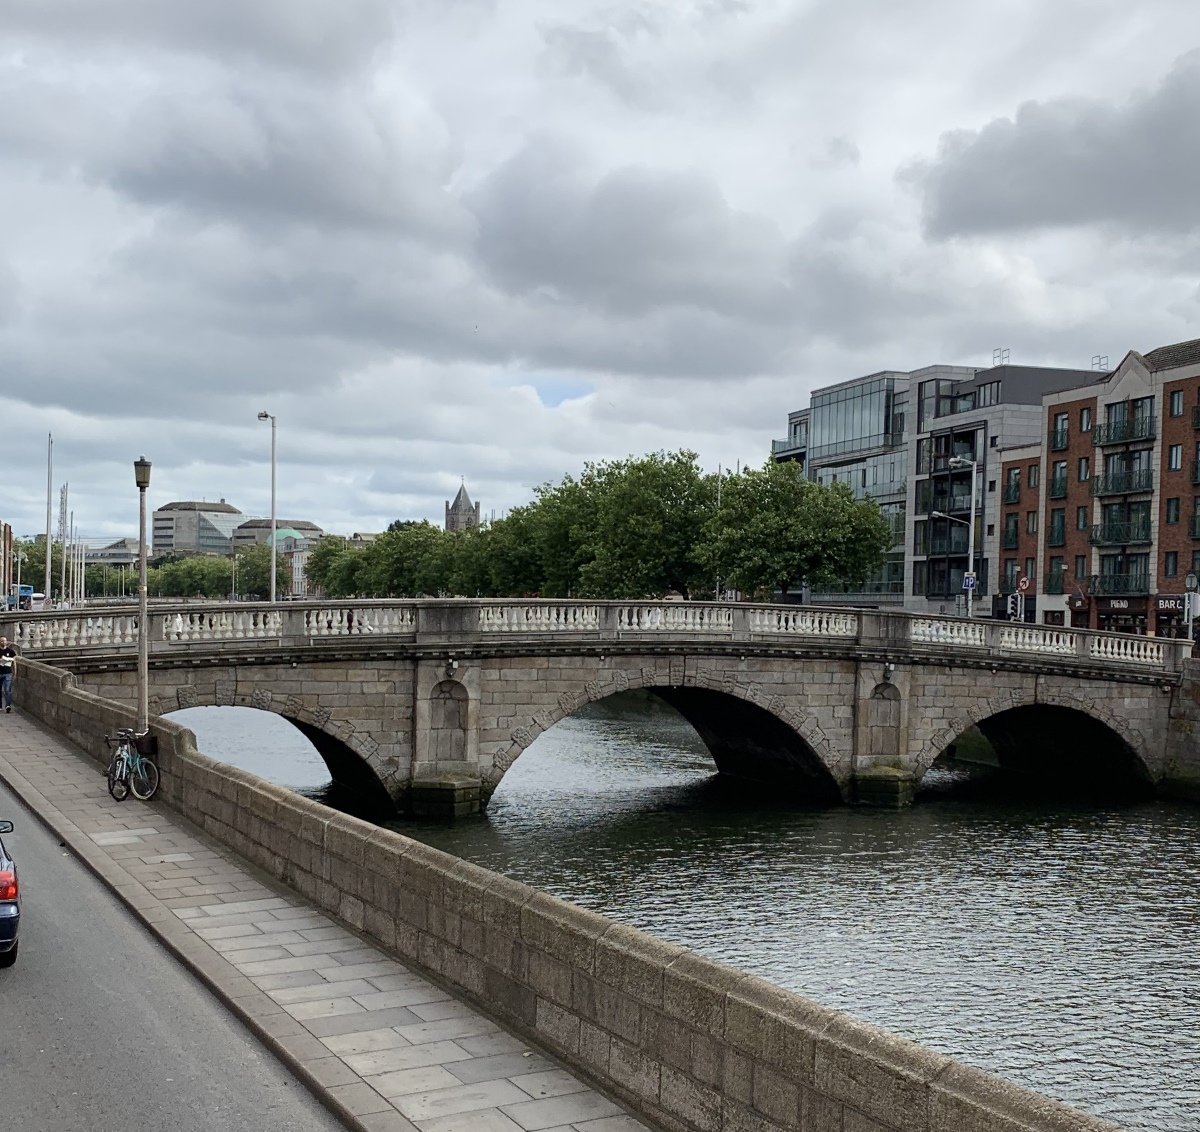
x: 632, y: 528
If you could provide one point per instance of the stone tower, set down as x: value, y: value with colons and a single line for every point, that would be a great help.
x: 462, y: 514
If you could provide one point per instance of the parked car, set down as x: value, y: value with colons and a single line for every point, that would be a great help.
x: 10, y: 903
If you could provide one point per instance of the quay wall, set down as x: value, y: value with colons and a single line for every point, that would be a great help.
x: 692, y: 1045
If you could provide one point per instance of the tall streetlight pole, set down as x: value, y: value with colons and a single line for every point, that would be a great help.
x: 141, y: 475
x: 963, y: 462
x: 265, y: 416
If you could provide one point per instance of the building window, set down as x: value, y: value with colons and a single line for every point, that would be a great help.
x: 1171, y: 564
x: 1081, y: 566
x: 1085, y: 468
x: 1031, y: 522
x: 1177, y: 403
x: 1082, y: 519
x: 1029, y: 567
x: 1175, y: 457
x: 1196, y: 561
x: 1034, y: 470
x: 1172, y: 510
x: 993, y: 441
x: 1085, y: 419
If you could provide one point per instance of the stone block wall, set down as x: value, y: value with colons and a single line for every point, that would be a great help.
x: 693, y: 1045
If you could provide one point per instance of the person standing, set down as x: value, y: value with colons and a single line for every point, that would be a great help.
x: 8, y: 660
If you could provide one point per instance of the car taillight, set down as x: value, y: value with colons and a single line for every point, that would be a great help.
x: 8, y: 884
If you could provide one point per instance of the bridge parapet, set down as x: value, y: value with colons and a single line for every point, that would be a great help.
x: 462, y: 624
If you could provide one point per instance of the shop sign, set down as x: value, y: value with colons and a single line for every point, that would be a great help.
x: 1122, y: 605
x: 1079, y: 601
x: 1170, y: 603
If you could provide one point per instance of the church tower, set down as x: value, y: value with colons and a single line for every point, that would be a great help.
x: 462, y: 513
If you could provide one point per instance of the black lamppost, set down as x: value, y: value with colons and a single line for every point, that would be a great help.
x: 141, y: 474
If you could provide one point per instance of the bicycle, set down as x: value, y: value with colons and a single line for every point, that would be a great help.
x: 129, y: 771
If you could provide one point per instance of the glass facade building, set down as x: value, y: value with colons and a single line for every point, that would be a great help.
x: 855, y: 416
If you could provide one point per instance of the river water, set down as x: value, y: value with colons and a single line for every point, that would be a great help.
x: 1056, y: 946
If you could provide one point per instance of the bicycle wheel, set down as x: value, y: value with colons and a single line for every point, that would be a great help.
x: 143, y: 779
x: 118, y: 777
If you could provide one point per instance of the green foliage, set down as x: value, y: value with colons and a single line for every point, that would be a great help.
x: 776, y: 529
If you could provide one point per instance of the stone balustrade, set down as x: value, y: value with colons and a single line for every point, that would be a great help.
x: 462, y: 623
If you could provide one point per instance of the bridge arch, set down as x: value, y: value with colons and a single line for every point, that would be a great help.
x: 1057, y: 737
x: 750, y: 732
x: 346, y: 754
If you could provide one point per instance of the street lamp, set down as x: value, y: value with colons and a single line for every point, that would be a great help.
x: 265, y: 416
x: 970, y: 545
x: 963, y: 462
x: 141, y: 475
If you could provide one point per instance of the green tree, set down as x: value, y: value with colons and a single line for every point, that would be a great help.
x: 254, y: 571
x: 320, y: 561
x: 644, y: 519
x: 776, y: 529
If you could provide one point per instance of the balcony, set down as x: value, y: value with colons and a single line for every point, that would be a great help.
x: 1124, y: 431
x: 940, y: 546
x: 1056, y: 535
x: 1196, y: 417
x: 1010, y: 540
x: 1012, y: 493
x: 1123, y: 483
x: 955, y: 503
x: 1134, y: 582
x: 1008, y: 584
x: 1054, y: 581
x: 1196, y: 526
x: 1058, y: 439
x: 1122, y: 533
x: 1196, y: 471
x: 1058, y: 488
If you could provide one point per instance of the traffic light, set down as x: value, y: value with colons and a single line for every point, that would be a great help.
x: 1014, y: 607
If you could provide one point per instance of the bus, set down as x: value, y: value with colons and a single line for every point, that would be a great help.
x: 24, y: 597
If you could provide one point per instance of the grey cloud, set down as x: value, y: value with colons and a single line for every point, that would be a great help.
x: 838, y: 153
x: 321, y: 35
x: 1072, y: 162
x: 631, y: 240
x: 309, y: 156
x: 598, y: 54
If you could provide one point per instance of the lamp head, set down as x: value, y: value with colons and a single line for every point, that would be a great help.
x: 939, y: 514
x: 264, y: 415
x: 141, y: 473
x: 959, y: 462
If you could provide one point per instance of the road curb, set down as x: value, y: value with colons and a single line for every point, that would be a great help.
x: 110, y: 872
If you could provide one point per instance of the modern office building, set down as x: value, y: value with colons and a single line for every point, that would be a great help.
x: 914, y: 441
x: 253, y: 531
x: 195, y: 527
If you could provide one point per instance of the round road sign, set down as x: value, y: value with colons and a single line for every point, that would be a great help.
x: 1023, y: 584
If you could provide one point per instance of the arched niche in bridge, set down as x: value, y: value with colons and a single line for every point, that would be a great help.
x: 1057, y: 751
x: 448, y: 704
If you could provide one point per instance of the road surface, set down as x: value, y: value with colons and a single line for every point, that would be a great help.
x: 101, y: 1028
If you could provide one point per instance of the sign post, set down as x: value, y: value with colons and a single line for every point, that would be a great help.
x: 1191, y: 583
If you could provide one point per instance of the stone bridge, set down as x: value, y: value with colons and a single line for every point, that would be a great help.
x: 426, y: 704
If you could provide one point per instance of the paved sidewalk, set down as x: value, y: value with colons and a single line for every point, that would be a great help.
x: 387, y: 1049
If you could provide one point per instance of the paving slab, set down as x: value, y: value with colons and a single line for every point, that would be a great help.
x: 381, y: 1045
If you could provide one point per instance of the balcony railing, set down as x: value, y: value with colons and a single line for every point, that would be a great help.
x: 1196, y: 471
x: 1058, y: 439
x: 1123, y: 533
x: 1010, y: 540
x: 954, y: 503
x: 1123, y: 483
x: 1057, y: 534
x: 1124, y: 431
x: 1196, y: 526
x: 947, y: 546
x: 1134, y: 582
x: 1196, y: 416
x: 1012, y: 493
x: 1054, y: 581
x: 1058, y: 487
x: 1008, y: 584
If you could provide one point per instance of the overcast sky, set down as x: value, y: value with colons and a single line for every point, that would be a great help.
x: 493, y: 239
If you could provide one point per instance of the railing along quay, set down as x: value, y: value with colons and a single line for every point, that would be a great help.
x: 463, y: 623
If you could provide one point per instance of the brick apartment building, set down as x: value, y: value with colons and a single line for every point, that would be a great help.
x: 1117, y: 505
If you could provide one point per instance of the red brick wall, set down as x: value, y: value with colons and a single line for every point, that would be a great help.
x: 1176, y: 484
x: 1079, y: 444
